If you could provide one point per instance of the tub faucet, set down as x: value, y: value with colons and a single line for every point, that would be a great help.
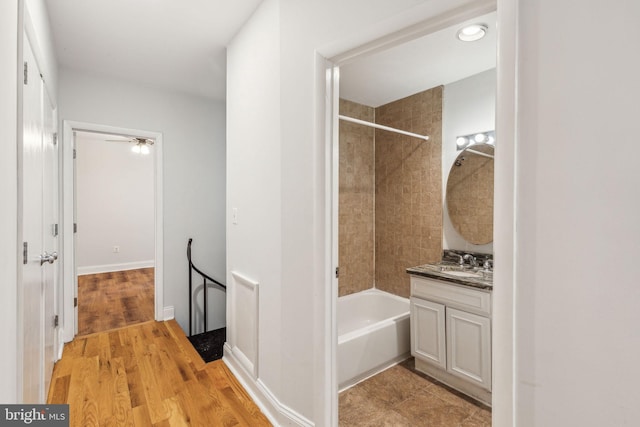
x: 471, y: 259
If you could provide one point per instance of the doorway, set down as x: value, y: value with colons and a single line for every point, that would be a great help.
x: 112, y: 227
x: 115, y: 230
x: 341, y: 63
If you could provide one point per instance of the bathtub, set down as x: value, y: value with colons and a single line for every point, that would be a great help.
x: 373, y: 334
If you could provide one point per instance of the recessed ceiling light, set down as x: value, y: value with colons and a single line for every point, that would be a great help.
x: 472, y: 32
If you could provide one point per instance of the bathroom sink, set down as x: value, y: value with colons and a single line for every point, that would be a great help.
x: 463, y: 273
x: 460, y: 271
x: 454, y: 272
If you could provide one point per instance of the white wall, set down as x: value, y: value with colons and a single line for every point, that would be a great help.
x: 578, y: 210
x: 193, y: 131
x: 253, y: 178
x: 9, y: 205
x: 11, y: 21
x: 39, y: 33
x: 278, y: 168
x: 469, y: 106
x: 114, y: 205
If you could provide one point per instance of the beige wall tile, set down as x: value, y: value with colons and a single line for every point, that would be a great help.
x: 390, y: 193
x: 356, y: 207
x: 408, y: 212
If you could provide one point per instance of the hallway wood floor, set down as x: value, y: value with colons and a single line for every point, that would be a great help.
x: 112, y: 300
x: 148, y: 375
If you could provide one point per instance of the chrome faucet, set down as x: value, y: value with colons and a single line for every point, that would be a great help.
x: 460, y: 259
x: 488, y: 264
x: 471, y: 260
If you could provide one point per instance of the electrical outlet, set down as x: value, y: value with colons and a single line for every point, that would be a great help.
x: 116, y: 249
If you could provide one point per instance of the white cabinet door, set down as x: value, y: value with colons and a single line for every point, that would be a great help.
x: 428, y: 332
x: 469, y: 347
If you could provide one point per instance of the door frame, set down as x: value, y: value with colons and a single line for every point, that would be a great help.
x: 69, y: 321
x: 503, y: 342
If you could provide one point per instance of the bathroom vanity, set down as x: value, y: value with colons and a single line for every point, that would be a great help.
x: 450, y: 322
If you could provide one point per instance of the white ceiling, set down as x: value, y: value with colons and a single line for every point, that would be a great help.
x: 173, y: 44
x: 436, y: 59
x: 180, y: 45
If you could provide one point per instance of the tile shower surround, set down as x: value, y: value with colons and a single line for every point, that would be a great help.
x: 406, y: 213
x: 355, y: 207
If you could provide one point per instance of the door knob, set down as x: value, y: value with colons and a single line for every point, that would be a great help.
x: 50, y: 258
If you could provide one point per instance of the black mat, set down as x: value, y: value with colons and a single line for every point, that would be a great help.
x: 209, y: 344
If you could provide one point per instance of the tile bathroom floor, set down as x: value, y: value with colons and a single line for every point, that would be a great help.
x: 401, y: 396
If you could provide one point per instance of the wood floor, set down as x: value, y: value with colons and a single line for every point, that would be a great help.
x: 148, y: 375
x: 112, y: 300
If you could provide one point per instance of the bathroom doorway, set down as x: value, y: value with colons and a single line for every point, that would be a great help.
x: 377, y: 212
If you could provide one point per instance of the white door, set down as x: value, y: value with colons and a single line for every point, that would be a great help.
x: 38, y: 196
x: 32, y: 272
x: 50, y: 236
x: 428, y: 331
x: 469, y: 347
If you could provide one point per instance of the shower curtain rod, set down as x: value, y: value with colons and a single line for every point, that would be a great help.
x: 479, y: 153
x: 377, y: 126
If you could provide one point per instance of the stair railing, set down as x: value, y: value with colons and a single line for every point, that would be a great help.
x: 205, y: 277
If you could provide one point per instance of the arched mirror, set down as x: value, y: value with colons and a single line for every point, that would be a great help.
x: 470, y: 194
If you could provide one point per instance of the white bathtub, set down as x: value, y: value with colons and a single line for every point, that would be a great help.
x: 373, y: 334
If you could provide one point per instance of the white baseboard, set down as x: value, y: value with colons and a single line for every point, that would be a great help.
x: 60, y: 344
x: 169, y: 313
x: 276, y: 412
x: 109, y: 268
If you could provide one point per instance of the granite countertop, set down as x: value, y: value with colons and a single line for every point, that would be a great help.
x: 451, y: 272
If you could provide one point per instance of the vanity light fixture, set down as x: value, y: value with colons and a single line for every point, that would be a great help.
x: 480, y: 138
x: 464, y: 141
x: 472, y: 32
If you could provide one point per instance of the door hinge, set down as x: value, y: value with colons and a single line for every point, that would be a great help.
x: 54, y: 230
x: 55, y: 138
x: 56, y: 321
x: 74, y: 153
x: 75, y: 302
x: 75, y: 227
x: 25, y: 252
x: 26, y: 72
x: 337, y: 272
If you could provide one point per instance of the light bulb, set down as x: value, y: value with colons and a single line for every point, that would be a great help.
x: 491, y: 140
x: 461, y: 141
x: 480, y: 137
x: 136, y: 148
x: 144, y: 149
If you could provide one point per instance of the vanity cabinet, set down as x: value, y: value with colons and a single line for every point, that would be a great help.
x: 428, y: 337
x: 469, y: 347
x: 451, y: 334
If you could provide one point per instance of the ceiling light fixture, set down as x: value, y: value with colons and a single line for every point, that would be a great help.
x: 472, y: 32
x: 141, y: 147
